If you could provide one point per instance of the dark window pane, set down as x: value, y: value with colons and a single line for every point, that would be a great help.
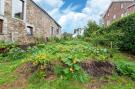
x: 52, y: 30
x: 18, y: 8
x: 57, y: 31
x: 1, y: 25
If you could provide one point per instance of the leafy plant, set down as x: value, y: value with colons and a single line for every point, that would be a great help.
x: 72, y: 70
x: 16, y: 54
x: 126, y: 68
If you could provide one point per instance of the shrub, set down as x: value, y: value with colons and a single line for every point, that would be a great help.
x: 127, y: 26
x: 72, y: 70
x: 67, y: 36
x: 16, y: 54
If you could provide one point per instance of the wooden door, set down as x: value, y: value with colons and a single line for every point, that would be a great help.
x: 1, y: 25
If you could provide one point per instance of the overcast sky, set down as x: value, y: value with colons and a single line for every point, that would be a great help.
x: 71, y: 14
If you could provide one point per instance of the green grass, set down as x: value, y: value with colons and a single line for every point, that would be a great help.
x: 7, y: 71
x: 55, y: 84
x: 119, y: 82
x: 82, y: 50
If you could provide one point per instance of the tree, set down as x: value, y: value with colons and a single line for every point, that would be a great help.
x: 91, y: 28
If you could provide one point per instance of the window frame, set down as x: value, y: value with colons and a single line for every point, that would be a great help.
x: 108, y: 22
x: 58, y: 31
x: 114, y: 16
x: 23, y: 10
x: 121, y: 6
x: 31, y: 30
x: 52, y: 30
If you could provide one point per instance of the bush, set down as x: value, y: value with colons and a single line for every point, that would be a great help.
x: 67, y: 36
x: 127, y: 26
x: 72, y: 70
x: 16, y: 54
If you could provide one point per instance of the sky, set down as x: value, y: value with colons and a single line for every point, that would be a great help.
x: 72, y: 14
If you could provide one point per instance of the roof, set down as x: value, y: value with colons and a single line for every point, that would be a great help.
x: 131, y: 5
x: 116, y: 1
x: 46, y: 13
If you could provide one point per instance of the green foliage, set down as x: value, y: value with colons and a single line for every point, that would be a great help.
x: 16, y: 54
x: 117, y: 82
x: 54, y: 39
x: 126, y: 68
x: 91, y: 29
x: 72, y: 70
x: 120, y: 34
x: 37, y: 77
x: 127, y: 26
x: 67, y: 36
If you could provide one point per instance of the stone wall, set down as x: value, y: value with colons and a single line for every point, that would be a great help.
x: 15, y: 29
x: 39, y: 19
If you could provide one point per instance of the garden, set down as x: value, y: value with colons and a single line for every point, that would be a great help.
x: 98, y: 60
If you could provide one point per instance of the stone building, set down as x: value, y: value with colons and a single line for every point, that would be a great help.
x: 24, y: 20
x: 118, y: 9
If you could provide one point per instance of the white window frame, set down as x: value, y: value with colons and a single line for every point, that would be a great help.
x: 2, y: 7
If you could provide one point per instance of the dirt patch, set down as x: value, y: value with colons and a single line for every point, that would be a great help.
x: 130, y: 56
x: 98, y: 69
x: 26, y: 70
x: 23, y: 73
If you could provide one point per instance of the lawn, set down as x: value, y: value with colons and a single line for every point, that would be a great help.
x: 55, y: 51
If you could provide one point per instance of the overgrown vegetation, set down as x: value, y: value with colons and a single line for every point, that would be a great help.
x: 56, y: 63
x: 120, y: 34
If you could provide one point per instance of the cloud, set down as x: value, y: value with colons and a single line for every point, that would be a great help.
x: 68, y: 18
x: 50, y: 4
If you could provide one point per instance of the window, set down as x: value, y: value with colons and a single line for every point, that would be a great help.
x: 121, y: 6
x: 108, y: 14
x: 108, y: 22
x: 57, y: 31
x: 1, y: 25
x: 114, y: 16
x: 2, y: 7
x: 52, y: 30
x: 29, y: 30
x: 18, y: 9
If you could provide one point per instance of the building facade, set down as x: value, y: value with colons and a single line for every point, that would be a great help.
x: 24, y: 20
x: 117, y: 10
x: 78, y: 32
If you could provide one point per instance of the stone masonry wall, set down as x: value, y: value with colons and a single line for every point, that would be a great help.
x: 15, y: 29
x: 41, y: 22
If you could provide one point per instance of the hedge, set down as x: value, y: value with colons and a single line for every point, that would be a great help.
x: 127, y: 26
